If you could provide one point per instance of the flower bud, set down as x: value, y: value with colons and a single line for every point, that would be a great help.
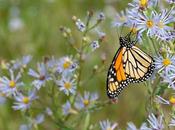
x: 74, y: 18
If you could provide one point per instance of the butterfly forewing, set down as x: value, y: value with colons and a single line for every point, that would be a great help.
x: 116, y: 79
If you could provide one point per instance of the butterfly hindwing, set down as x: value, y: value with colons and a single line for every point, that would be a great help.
x: 139, y: 65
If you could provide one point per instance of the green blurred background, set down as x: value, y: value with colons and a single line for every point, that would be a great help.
x: 32, y: 27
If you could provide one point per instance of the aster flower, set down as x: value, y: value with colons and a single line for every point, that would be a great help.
x: 168, y: 37
x: 33, y: 122
x: 67, y: 84
x: 131, y: 126
x: 80, y: 25
x: 52, y: 62
x: 49, y: 111
x: 161, y: 20
x: 22, y: 63
x: 171, y: 1
x: 101, y: 34
x: 24, y: 102
x: 15, y: 24
x: 86, y: 100
x: 142, y: 4
x: 161, y: 100
x: 101, y: 16
x: 169, y: 78
x: 41, y: 76
x: 94, y: 45
x: 38, y: 119
x: 25, y: 127
x: 67, y: 109
x: 172, y: 122
x: 10, y: 86
x: 166, y: 64
x: 107, y: 125
x: 121, y: 19
x: 66, y: 64
x: 144, y: 127
x: 146, y: 23
x: 155, y: 123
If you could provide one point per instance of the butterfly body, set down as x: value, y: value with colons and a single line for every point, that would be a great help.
x: 129, y: 65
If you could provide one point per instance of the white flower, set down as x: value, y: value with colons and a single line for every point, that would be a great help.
x: 146, y: 23
x: 9, y: 86
x: 86, y: 100
x: 41, y: 76
x: 24, y: 102
x: 161, y: 100
x: 80, y: 25
x: 66, y: 64
x: 15, y: 24
x: 121, y: 18
x: 162, y: 20
x: 49, y: 111
x: 155, y: 123
x: 67, y: 109
x: 95, y: 45
x: 25, y: 127
x: 101, y: 16
x: 172, y: 122
x: 107, y: 125
x: 22, y: 63
x: 171, y: 1
x: 67, y: 84
x: 167, y: 64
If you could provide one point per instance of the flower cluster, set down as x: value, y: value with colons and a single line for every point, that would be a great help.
x: 29, y: 87
x: 144, y: 17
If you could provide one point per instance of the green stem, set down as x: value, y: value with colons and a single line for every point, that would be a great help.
x: 154, y: 46
x: 92, y: 27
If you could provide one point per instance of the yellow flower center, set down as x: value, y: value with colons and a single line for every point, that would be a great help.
x: 26, y: 100
x: 172, y: 100
x: 149, y: 23
x: 134, y: 30
x: 12, y: 84
x: 143, y: 3
x: 67, y: 64
x: 42, y: 77
x: 86, y: 102
x: 160, y: 24
x: 166, y: 62
x: 67, y: 85
x: 123, y: 19
x: 109, y: 128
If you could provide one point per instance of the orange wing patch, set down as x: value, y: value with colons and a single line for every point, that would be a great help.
x: 119, y: 67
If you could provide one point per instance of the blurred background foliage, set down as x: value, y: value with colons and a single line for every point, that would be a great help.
x: 38, y: 35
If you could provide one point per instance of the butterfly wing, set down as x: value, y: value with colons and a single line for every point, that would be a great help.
x: 116, y: 78
x: 138, y: 65
x: 128, y: 66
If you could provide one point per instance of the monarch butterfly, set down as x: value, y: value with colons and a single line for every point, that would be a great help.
x: 129, y: 65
